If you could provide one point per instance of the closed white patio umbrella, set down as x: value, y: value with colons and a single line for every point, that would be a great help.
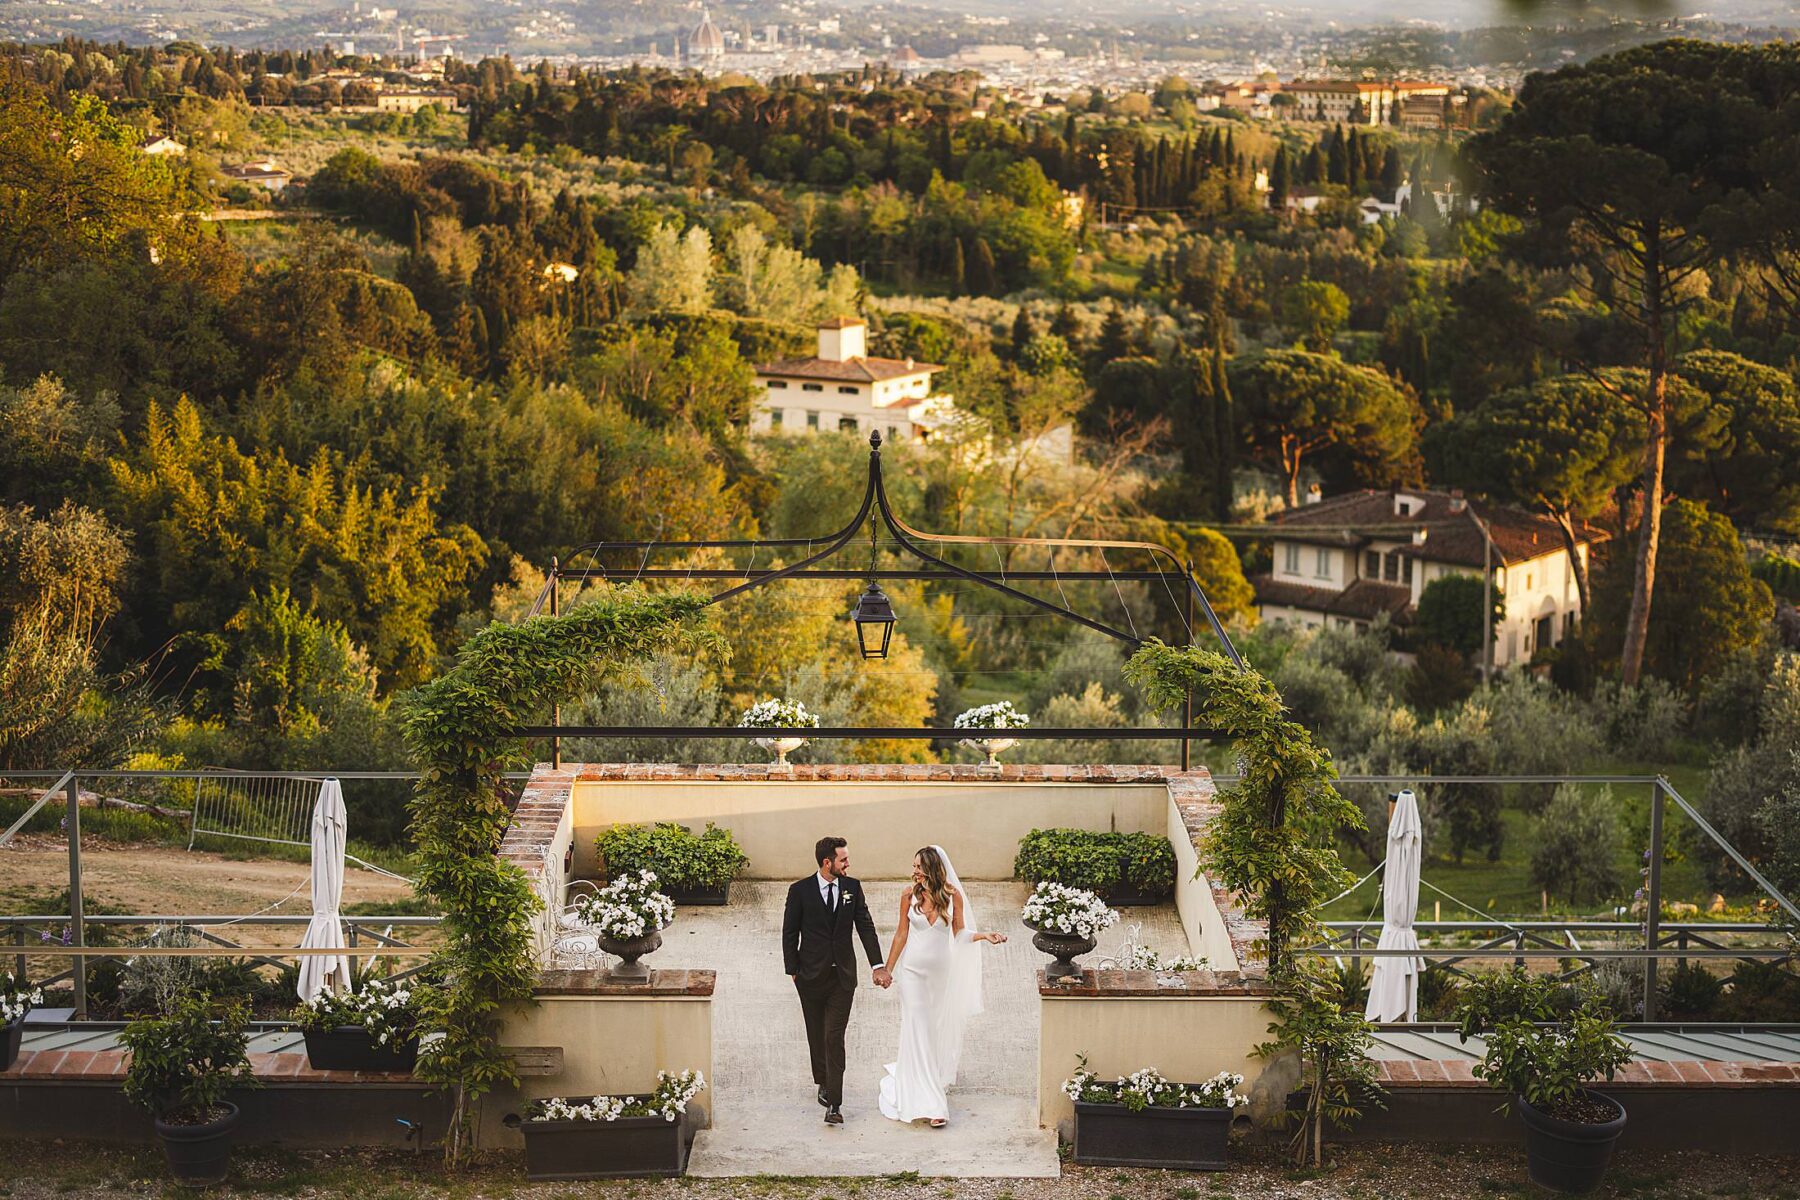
x: 321, y: 971
x: 1394, y: 989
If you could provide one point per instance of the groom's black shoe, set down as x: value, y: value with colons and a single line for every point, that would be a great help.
x: 833, y: 1116
x: 823, y: 1102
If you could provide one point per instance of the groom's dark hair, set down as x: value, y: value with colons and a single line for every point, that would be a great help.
x: 827, y: 848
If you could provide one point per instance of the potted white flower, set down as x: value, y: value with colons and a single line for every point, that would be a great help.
x: 373, y: 1027
x: 1065, y: 922
x: 628, y: 916
x: 611, y: 1137
x: 778, y: 714
x: 1145, y: 1120
x: 998, y: 716
x: 16, y: 999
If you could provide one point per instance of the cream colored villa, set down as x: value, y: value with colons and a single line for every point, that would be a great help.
x: 843, y: 388
x: 1353, y: 558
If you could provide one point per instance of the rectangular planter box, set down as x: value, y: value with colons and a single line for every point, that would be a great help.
x: 687, y: 897
x: 1182, y: 1139
x: 10, y: 1038
x: 631, y: 1147
x: 350, y: 1048
x: 1127, y: 896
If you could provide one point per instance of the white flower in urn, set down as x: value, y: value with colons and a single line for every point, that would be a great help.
x: 779, y: 714
x: 991, y: 719
x: 1073, y: 912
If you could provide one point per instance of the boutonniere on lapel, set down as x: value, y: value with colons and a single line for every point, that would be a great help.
x: 844, y: 898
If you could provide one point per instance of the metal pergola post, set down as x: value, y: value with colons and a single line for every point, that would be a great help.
x: 78, y: 934
x: 1653, y: 898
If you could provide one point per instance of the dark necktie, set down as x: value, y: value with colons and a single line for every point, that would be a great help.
x: 831, y: 898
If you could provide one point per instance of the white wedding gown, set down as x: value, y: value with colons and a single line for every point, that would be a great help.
x: 930, y: 1030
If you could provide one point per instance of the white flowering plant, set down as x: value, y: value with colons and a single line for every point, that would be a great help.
x: 387, y: 1012
x: 628, y: 908
x: 17, y: 999
x: 999, y: 715
x: 1058, y: 909
x: 1147, y: 1088
x: 675, y: 1090
x: 778, y: 714
x: 1143, y: 958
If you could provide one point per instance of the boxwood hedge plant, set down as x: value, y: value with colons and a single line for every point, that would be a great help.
x: 1273, y: 841
x: 681, y: 859
x: 461, y: 730
x: 1098, y: 862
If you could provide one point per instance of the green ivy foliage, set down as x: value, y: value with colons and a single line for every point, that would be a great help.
x: 681, y: 858
x: 184, y: 1062
x: 1273, y: 843
x: 460, y: 729
x: 1098, y: 862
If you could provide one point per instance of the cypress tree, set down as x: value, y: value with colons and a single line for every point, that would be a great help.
x: 1224, y: 437
x: 1115, y: 338
x: 1278, y: 181
x: 1022, y: 333
x: 1312, y: 170
x: 1391, y: 175
x: 1065, y: 326
x: 1337, y: 169
x: 1198, y: 447
x: 959, y: 283
x: 983, y: 275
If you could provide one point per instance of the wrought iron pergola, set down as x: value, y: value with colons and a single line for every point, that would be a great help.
x: 1176, y: 576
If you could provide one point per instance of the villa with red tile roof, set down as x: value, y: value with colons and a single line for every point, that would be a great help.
x: 1351, y: 559
x: 843, y: 388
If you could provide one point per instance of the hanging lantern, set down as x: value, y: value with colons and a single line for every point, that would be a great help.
x: 874, y: 617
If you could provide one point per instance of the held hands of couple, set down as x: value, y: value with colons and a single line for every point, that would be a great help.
x: 883, y: 977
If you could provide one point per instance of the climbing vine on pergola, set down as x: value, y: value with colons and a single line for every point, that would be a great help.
x: 1274, y: 840
x: 462, y: 729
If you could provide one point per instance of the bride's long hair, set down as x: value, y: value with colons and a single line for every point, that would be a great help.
x: 937, y: 882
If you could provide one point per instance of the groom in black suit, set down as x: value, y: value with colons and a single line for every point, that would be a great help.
x: 821, y: 960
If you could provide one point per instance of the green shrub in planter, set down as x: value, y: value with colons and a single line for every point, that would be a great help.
x: 685, y: 863
x: 182, y: 1066
x: 1108, y: 863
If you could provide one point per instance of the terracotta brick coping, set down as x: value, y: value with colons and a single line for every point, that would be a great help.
x: 1155, y: 985
x: 108, y: 1067
x: 1458, y: 1073
x: 661, y: 985
x: 859, y: 773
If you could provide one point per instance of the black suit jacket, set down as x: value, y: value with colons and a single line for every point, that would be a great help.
x: 814, y: 941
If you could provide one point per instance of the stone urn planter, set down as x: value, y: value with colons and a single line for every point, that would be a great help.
x: 629, y: 951
x: 1064, y: 948
x: 990, y: 747
x: 780, y: 748
x: 1570, y: 1156
x: 199, y: 1153
x: 628, y: 1148
x: 353, y: 1048
x: 11, y: 1036
x: 1179, y: 1139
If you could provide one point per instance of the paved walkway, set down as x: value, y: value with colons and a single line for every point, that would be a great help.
x: 765, y: 1118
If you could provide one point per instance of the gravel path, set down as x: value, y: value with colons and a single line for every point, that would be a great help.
x: 40, y: 1171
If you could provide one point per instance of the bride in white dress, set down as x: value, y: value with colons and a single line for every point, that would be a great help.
x: 936, y: 964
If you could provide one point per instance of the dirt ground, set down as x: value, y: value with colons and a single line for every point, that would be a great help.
x: 154, y: 879
x: 35, y: 1170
